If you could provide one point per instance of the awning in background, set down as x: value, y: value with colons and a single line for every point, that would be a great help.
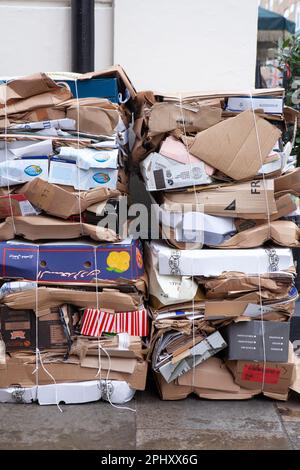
x: 271, y: 21
x: 271, y: 28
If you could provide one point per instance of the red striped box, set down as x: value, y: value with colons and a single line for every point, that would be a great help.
x: 96, y: 321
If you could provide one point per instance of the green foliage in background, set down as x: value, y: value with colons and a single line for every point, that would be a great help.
x: 289, y: 64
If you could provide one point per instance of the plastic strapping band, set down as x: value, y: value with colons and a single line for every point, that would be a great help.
x: 262, y: 329
x: 78, y: 146
x: 269, y: 236
x: 6, y: 160
x: 97, y: 304
x: 197, y: 204
x: 100, y: 348
x: 36, y: 371
x: 263, y: 174
x: 38, y: 356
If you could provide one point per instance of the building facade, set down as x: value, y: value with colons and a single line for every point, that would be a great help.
x: 190, y: 47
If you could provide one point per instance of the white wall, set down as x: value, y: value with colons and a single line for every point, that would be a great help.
x: 187, y: 45
x: 35, y: 36
x: 163, y: 44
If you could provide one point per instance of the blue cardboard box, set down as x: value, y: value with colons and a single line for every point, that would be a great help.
x: 64, y: 262
x: 94, y: 88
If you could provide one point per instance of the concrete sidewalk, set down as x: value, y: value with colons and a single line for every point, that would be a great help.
x: 189, y: 424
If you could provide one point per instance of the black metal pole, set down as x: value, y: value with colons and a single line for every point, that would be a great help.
x: 83, y: 35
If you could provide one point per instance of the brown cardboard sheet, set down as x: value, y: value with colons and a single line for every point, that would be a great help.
x: 237, y: 146
x: 271, y: 377
x: 249, y: 200
x: 167, y: 117
x: 55, y: 200
x: 20, y: 370
x: 48, y: 228
x: 97, y: 116
x: 199, y: 95
x: 289, y: 182
x: 47, y: 297
x: 281, y: 232
x: 214, y: 375
x: 28, y: 93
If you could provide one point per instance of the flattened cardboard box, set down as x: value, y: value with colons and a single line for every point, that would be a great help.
x: 55, y: 200
x: 168, y: 290
x: 268, y: 104
x: 222, y: 309
x: 211, y: 380
x: 290, y: 182
x: 215, y: 262
x: 258, y: 340
x: 30, y: 93
x: 48, y: 297
x: 232, y: 146
x: 161, y: 173
x: 45, y: 228
x: 276, y: 284
x: 274, y: 377
x: 197, y: 354
x: 246, y: 200
x: 166, y: 117
x: 18, y: 329
x: 19, y: 371
x: 280, y: 232
x: 16, y: 205
x: 113, y: 261
x: 186, y: 97
x: 285, y: 204
x: 68, y: 393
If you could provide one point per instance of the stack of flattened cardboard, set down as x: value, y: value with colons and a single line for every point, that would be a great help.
x: 220, y: 178
x: 76, y: 307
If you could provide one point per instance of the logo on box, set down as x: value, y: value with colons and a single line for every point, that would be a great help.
x: 33, y: 170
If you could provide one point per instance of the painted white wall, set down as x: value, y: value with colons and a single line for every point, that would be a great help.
x: 187, y: 45
x: 162, y: 44
x: 35, y: 36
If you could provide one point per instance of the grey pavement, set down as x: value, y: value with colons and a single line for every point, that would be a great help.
x: 188, y: 424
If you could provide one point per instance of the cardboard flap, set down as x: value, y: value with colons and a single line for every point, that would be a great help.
x: 211, y: 374
x: 281, y: 232
x: 55, y: 200
x: 288, y: 182
x: 232, y: 146
x: 26, y: 87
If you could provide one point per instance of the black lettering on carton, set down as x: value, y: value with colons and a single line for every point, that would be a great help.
x: 255, y: 186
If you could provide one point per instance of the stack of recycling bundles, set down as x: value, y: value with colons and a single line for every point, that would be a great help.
x: 71, y: 289
x: 220, y: 179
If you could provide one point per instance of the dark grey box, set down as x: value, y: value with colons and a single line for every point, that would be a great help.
x: 247, y: 341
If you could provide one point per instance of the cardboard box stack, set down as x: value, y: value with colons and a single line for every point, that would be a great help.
x: 221, y: 284
x: 72, y: 315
